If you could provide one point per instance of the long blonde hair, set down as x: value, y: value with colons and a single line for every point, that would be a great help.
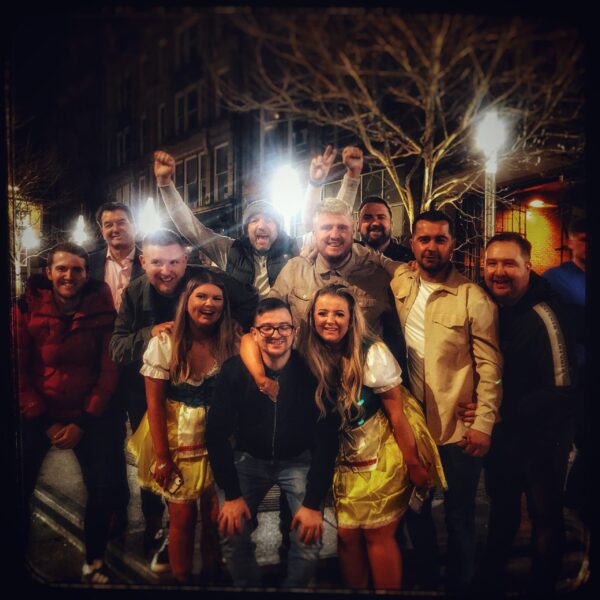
x: 339, y: 371
x: 225, y: 339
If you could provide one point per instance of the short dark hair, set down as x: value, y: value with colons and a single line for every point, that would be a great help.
x: 578, y: 226
x: 433, y: 216
x: 375, y: 200
x: 512, y: 236
x: 69, y: 247
x: 110, y: 207
x: 269, y: 304
x: 162, y: 237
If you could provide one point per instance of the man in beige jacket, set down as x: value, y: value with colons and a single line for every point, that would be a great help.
x: 450, y: 328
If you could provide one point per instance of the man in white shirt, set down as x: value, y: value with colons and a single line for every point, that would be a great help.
x: 450, y: 328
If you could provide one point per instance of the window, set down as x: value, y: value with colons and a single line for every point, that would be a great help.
x: 143, y: 133
x: 142, y: 190
x: 161, y: 123
x: 161, y: 62
x: 204, y: 178
x: 179, y: 112
x: 187, y: 109
x: 179, y: 178
x: 123, y: 194
x: 125, y: 93
x: 123, y: 146
x: 191, y: 181
x: 143, y: 70
x: 187, y: 46
x: 221, y: 172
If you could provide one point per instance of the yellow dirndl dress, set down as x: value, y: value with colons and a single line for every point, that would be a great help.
x: 371, y: 485
x: 186, y: 408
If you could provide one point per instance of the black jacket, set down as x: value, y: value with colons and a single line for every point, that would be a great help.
x: 97, y: 262
x: 537, y: 350
x: 270, y: 430
x: 240, y: 259
x: 395, y: 251
x: 138, y: 315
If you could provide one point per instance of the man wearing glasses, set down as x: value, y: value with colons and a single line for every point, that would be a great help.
x: 276, y: 442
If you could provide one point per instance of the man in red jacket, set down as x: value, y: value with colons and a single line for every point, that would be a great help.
x: 66, y: 379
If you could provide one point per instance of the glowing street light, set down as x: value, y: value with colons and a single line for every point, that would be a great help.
x: 286, y: 194
x: 79, y: 235
x: 490, y: 137
x: 149, y: 220
x: 29, y: 238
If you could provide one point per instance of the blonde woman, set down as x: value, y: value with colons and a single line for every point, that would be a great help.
x: 179, y: 371
x: 385, y: 447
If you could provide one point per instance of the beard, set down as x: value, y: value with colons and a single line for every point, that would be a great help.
x: 377, y: 242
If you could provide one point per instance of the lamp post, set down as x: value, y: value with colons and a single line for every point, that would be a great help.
x: 286, y: 194
x: 29, y: 241
x: 490, y: 137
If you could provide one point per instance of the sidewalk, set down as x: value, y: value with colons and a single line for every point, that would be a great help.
x: 60, y: 495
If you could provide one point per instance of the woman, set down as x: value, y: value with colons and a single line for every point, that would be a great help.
x: 385, y: 447
x: 179, y: 371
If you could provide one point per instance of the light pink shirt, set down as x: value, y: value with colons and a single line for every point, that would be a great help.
x: 118, y: 276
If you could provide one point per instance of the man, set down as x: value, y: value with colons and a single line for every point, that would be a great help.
x: 338, y: 260
x: 568, y: 281
x: 375, y: 227
x: 66, y: 380
x: 450, y: 329
x: 531, y: 443
x: 255, y: 259
x: 147, y: 308
x: 276, y: 442
x: 117, y: 266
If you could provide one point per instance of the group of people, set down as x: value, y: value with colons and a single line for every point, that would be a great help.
x: 364, y: 368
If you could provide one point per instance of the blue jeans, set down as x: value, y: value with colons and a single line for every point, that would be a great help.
x: 256, y: 477
x: 462, y: 474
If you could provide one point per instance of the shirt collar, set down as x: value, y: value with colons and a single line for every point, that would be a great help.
x: 323, y: 269
x: 129, y: 257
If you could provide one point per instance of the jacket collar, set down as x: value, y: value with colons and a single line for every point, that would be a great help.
x: 450, y: 284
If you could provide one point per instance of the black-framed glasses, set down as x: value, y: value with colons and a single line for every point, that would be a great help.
x: 284, y: 330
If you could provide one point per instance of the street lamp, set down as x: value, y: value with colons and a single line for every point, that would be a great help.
x: 149, y: 219
x: 29, y: 241
x: 79, y: 235
x: 490, y: 137
x: 286, y: 194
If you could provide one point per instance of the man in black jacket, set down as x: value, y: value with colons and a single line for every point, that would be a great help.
x: 147, y: 308
x: 117, y: 265
x: 531, y: 443
x: 276, y: 442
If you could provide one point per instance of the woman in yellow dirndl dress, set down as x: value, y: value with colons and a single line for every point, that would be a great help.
x: 385, y: 447
x: 179, y: 371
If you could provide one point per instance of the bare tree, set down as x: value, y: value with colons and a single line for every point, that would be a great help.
x: 412, y: 87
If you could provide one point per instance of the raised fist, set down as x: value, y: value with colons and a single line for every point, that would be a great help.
x: 352, y: 157
x: 164, y: 167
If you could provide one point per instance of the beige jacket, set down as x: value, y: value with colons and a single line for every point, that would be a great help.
x: 462, y: 356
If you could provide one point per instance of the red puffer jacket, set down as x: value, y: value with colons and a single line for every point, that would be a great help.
x: 63, y: 362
